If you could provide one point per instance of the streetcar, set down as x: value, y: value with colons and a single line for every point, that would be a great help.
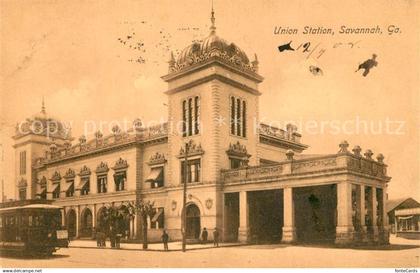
x: 31, y: 227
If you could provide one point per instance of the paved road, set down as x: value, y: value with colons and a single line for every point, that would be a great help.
x: 401, y: 255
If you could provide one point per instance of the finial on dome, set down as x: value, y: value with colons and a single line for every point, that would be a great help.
x: 213, y: 27
x: 43, y: 106
x: 171, y: 63
x: 255, y: 63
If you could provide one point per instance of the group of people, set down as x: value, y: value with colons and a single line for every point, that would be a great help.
x: 204, y: 238
x: 114, y: 237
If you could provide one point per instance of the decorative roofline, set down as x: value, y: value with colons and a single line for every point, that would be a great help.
x: 252, y: 75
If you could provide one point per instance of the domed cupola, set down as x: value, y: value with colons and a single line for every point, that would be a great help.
x: 212, y: 48
x: 43, y: 124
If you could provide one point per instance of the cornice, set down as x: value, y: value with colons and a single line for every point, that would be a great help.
x: 214, y: 77
x: 212, y: 60
x: 282, y: 143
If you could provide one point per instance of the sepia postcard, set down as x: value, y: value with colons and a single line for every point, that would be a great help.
x: 209, y: 134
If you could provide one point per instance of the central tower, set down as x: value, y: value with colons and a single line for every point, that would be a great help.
x: 213, y: 104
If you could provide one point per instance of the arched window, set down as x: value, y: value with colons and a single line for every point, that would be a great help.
x: 238, y: 117
x: 232, y: 115
x: 191, y: 116
x: 243, y: 118
x: 184, y: 118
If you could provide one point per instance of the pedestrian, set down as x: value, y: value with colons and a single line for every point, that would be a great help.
x: 165, y: 240
x: 204, y: 236
x: 216, y: 237
x: 112, y: 236
x: 98, y: 238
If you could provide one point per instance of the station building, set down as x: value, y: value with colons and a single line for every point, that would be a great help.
x: 252, y: 181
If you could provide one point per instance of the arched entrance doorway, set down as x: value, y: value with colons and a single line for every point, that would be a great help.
x: 193, y: 225
x: 71, y: 223
x: 86, y: 223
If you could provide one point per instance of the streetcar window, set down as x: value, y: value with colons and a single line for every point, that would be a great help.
x: 1, y: 222
x: 30, y: 220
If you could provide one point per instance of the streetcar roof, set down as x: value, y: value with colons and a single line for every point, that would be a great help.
x: 32, y: 206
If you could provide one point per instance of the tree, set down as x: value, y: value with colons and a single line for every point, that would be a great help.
x: 116, y: 218
x: 145, y: 209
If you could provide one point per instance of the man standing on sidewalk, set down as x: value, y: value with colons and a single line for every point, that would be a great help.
x: 216, y: 237
x: 165, y: 240
x: 204, y: 236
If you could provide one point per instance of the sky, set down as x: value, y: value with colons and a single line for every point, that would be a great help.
x: 77, y: 55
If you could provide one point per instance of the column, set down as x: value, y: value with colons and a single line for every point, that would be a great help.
x: 374, y: 215
x: 135, y: 224
x: 94, y: 217
x: 243, y: 231
x: 289, y: 230
x: 344, y: 229
x: 77, y: 221
x: 363, y: 228
x: 63, y: 217
x: 131, y: 228
x: 385, y: 221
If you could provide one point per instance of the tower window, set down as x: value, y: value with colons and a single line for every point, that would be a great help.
x: 22, y: 163
x: 238, y: 115
x: 191, y: 116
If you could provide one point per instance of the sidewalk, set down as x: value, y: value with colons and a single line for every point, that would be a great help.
x: 173, y: 246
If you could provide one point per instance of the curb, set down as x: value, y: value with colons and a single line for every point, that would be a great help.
x: 157, y: 250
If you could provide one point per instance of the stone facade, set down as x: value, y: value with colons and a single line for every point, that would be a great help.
x: 213, y: 95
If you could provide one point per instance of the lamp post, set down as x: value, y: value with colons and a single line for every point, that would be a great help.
x: 184, y: 200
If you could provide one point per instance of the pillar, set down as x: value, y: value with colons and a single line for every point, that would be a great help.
x: 363, y: 228
x: 243, y: 231
x: 77, y: 221
x: 94, y: 217
x: 63, y: 217
x: 375, y: 231
x: 344, y: 229
x: 289, y: 230
x: 135, y: 226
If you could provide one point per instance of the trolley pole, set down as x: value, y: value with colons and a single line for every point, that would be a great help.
x: 184, y: 201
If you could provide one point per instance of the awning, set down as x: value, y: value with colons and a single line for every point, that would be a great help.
x: 154, y: 175
x: 83, y: 183
x: 41, y: 191
x: 158, y: 213
x: 404, y: 218
x: 67, y: 186
x: 54, y: 187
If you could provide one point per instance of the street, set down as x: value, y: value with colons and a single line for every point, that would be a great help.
x: 404, y: 253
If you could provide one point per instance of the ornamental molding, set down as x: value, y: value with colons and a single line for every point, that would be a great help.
x: 193, y: 150
x: 237, y: 150
x: 43, y: 182
x: 173, y: 205
x: 158, y: 158
x: 22, y: 183
x: 70, y: 174
x: 308, y: 165
x: 209, y: 203
x: 102, y: 168
x: 56, y: 177
x: 120, y: 164
x: 84, y: 171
